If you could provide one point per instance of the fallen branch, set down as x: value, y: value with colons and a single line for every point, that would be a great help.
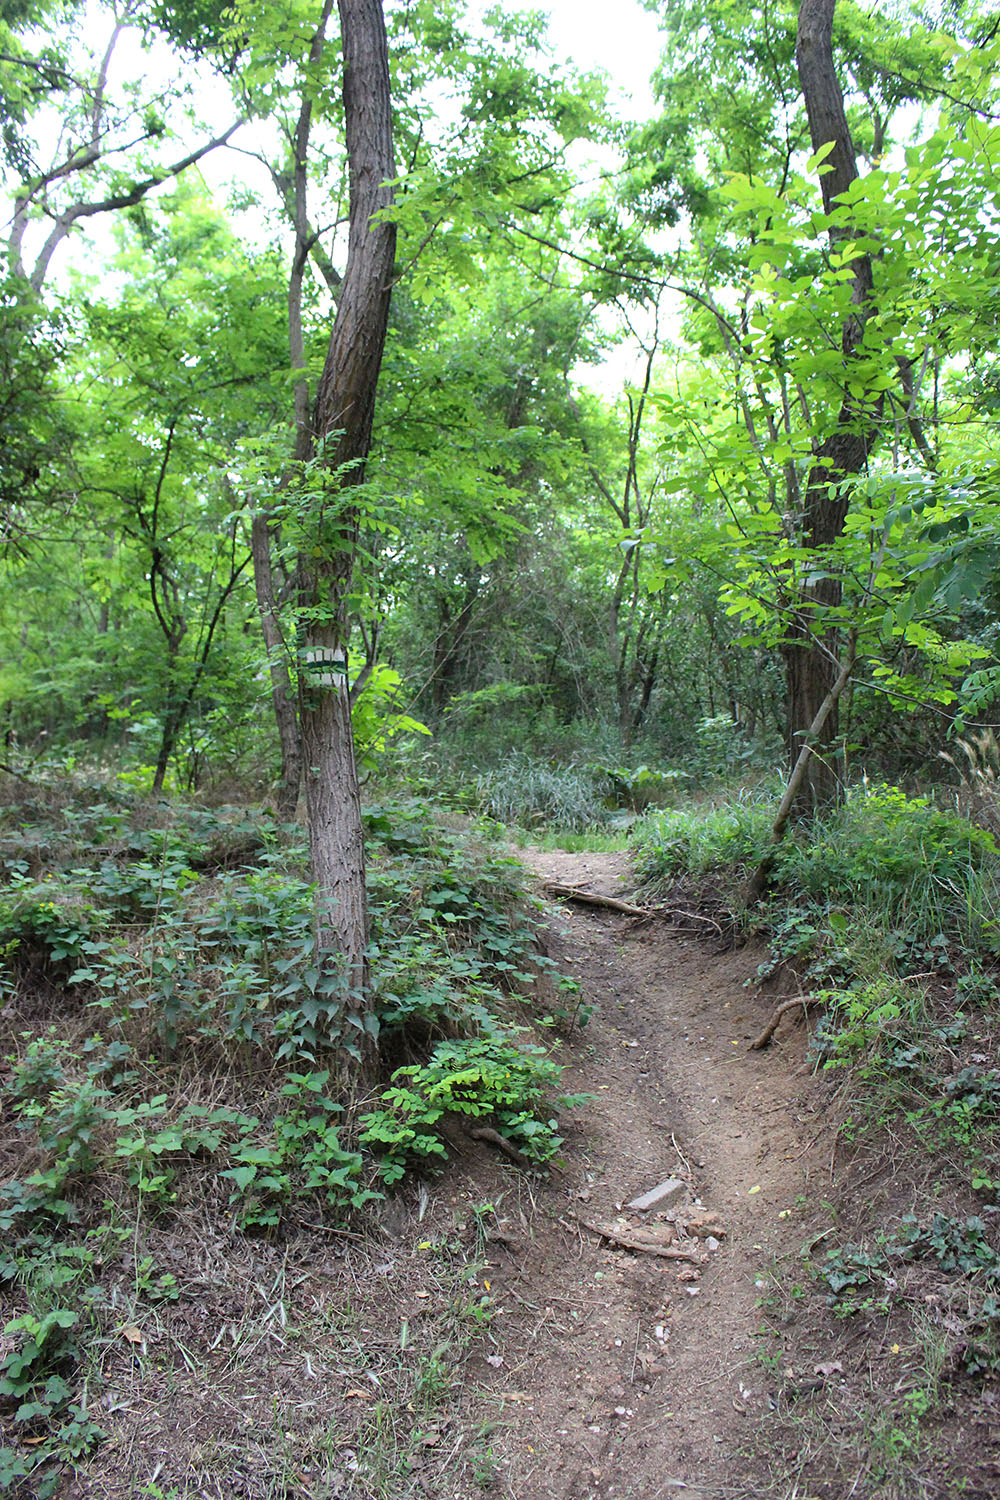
x: 487, y: 1133
x: 800, y: 1002
x: 631, y: 1242
x: 572, y: 893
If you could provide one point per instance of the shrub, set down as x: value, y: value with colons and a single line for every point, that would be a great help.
x: 529, y: 793
x: 699, y: 840
x: 488, y: 1077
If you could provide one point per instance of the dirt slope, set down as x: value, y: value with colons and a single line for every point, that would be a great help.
x: 634, y: 1375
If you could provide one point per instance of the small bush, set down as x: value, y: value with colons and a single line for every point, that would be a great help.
x: 929, y: 878
x: 700, y: 840
x: 530, y: 794
x: 42, y: 921
x: 488, y: 1077
x: 639, y: 787
x: 859, y: 1019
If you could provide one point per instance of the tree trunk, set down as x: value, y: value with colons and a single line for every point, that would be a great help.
x: 758, y: 882
x: 282, y: 696
x: 172, y: 716
x: 168, y: 739
x: 341, y: 432
x: 810, y: 650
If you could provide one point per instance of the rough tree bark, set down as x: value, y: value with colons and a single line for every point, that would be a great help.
x: 341, y: 435
x: 293, y: 187
x: 810, y: 652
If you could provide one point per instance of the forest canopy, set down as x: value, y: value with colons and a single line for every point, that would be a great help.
x: 795, y: 255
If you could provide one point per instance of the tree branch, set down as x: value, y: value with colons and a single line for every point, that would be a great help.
x: 82, y: 209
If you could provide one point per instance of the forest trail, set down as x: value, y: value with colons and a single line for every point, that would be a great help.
x: 632, y: 1375
x: 482, y: 1340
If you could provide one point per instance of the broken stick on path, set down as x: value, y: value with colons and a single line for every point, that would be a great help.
x: 645, y: 1247
x: 573, y: 893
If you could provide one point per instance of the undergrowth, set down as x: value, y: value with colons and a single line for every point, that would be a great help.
x: 542, y: 795
x: 589, y: 799
x: 886, y: 915
x: 175, y: 1055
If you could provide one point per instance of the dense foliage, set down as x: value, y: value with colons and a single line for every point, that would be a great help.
x: 172, y: 1053
x: 598, y: 576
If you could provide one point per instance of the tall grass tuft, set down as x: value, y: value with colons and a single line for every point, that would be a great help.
x: 731, y: 836
x: 532, y: 794
x: 915, y: 866
x: 977, y: 761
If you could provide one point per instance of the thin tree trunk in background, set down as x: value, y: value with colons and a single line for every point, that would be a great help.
x: 179, y: 701
x: 282, y: 695
x: 448, y: 642
x: 758, y: 881
x: 810, y: 649
x: 168, y: 738
x: 341, y: 434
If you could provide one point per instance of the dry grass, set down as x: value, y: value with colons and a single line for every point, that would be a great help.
x: 329, y: 1364
x: 977, y: 762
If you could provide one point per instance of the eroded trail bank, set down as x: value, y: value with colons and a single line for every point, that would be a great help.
x: 639, y: 1374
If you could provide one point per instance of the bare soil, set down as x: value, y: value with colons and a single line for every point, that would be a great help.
x: 639, y: 1375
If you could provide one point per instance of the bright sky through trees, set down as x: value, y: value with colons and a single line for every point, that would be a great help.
x: 623, y: 39
x: 626, y: 46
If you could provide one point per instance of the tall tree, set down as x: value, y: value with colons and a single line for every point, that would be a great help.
x: 829, y: 329
x: 341, y: 437
x: 810, y: 648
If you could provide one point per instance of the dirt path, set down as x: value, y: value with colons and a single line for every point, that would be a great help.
x: 633, y: 1375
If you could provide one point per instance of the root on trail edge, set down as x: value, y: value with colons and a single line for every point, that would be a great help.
x: 800, y: 1002
x: 487, y: 1133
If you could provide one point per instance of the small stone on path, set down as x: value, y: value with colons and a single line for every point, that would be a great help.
x: 660, y: 1194
x: 705, y: 1223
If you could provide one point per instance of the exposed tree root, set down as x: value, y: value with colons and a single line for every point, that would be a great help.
x: 487, y: 1133
x: 632, y: 1242
x: 800, y: 1002
x: 676, y: 911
